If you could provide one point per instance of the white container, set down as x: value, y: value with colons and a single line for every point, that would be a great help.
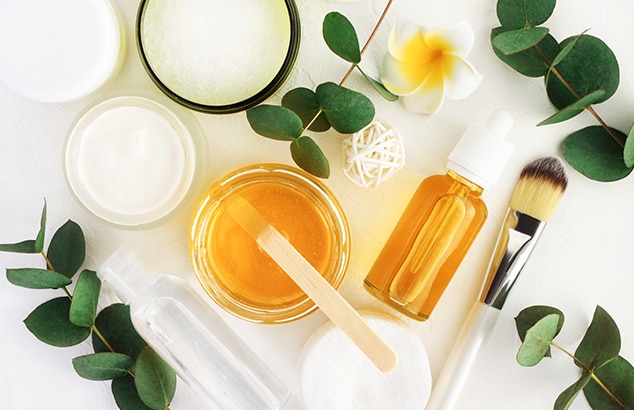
x: 181, y: 326
x: 58, y: 51
x: 133, y: 162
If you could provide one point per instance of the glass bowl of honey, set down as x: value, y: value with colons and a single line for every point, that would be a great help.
x: 241, y: 277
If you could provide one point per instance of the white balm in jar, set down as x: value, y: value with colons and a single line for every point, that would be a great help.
x: 218, y: 56
x: 131, y: 161
x: 58, y: 51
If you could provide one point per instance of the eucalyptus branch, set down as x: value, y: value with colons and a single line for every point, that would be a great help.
x: 355, y: 65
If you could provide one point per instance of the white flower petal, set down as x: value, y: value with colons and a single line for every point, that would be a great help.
x: 457, y: 39
x: 462, y: 79
x: 401, y: 78
x: 401, y: 38
x: 426, y: 100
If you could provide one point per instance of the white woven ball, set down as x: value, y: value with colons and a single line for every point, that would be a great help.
x: 373, y: 154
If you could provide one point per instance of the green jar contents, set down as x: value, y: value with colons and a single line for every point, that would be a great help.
x: 218, y: 56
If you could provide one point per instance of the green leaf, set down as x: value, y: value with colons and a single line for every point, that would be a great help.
x: 83, y: 308
x: 529, y: 316
x: 347, y: 111
x: 594, y: 153
x: 588, y: 67
x: 116, y: 327
x: 125, y: 394
x: 602, y: 341
x: 530, y: 62
x: 341, y: 37
x: 536, y: 344
x: 39, y: 239
x: 380, y: 88
x: 304, y: 103
x: 628, y: 151
x: 103, y: 366
x: 155, y: 381
x: 33, y: 278
x: 574, y: 108
x: 617, y: 376
x: 565, y: 399
x: 516, y: 14
x: 275, y: 122
x: 567, y: 49
x: 67, y: 249
x: 514, y: 41
x: 309, y: 157
x: 27, y: 246
x: 49, y: 322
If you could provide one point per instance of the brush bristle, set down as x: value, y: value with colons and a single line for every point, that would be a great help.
x: 540, y: 187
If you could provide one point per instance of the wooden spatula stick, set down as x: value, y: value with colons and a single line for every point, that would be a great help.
x: 314, y: 285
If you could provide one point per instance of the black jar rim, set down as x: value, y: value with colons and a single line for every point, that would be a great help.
x: 274, y: 85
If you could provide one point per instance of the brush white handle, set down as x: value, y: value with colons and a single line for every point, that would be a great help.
x: 474, y: 332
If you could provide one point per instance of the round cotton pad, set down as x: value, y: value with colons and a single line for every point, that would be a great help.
x: 334, y: 373
x: 58, y: 51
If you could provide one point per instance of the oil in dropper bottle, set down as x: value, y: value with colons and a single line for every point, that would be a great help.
x: 441, y: 222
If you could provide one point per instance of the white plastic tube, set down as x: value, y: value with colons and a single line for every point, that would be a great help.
x: 474, y: 332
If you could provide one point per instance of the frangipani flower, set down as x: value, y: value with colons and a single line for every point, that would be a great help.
x: 425, y: 66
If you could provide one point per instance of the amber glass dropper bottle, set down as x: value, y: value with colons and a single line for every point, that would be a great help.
x: 441, y: 222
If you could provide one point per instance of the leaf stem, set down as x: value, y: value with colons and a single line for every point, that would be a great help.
x: 592, y: 374
x: 578, y: 96
x: 354, y: 65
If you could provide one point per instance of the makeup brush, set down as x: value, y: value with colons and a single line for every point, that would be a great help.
x: 540, y: 187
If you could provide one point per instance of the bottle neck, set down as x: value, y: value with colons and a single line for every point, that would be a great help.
x: 471, y: 187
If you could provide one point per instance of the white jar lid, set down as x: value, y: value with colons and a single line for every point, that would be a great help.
x: 58, y: 51
x: 334, y: 373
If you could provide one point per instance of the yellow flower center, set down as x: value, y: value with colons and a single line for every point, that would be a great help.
x: 427, y: 61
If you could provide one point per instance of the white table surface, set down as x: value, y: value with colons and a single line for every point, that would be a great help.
x: 583, y: 259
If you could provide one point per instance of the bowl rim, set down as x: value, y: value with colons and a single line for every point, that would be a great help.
x: 277, y: 81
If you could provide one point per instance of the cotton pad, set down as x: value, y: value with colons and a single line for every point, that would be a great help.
x: 334, y: 373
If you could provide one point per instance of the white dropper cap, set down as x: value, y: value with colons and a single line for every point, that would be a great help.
x: 127, y: 273
x: 482, y: 152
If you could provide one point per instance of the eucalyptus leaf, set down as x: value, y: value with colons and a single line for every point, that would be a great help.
x: 33, y: 278
x: 567, y: 49
x: 380, y: 88
x: 529, y: 316
x: 602, y: 341
x: 303, y: 102
x: 347, y: 111
x: 594, y: 153
x: 341, y: 37
x: 531, y: 62
x: 275, y: 122
x: 309, y: 157
x: 515, y: 41
x: 516, y: 14
x: 565, y: 399
x: 588, y: 67
x: 103, y: 366
x: 125, y: 394
x: 83, y: 308
x: 67, y: 249
x: 617, y: 377
x: 628, y: 150
x: 116, y: 327
x: 574, y: 109
x: 155, y: 381
x: 27, y: 246
x: 536, y: 343
x: 49, y: 322
x: 39, y: 239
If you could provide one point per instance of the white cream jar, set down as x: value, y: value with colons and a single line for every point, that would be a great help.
x: 131, y: 161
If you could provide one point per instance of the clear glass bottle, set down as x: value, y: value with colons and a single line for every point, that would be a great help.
x: 188, y: 334
x: 441, y: 222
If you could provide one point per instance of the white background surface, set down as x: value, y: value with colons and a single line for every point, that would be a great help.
x: 583, y: 259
